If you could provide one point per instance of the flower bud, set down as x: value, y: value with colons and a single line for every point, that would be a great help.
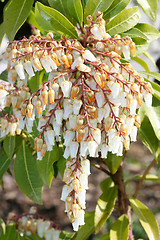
x: 29, y: 109
x: 51, y: 95
x: 39, y: 106
x: 39, y: 144
x: 45, y: 96
x: 76, y: 185
x: 43, y: 150
x: 75, y: 209
x: 75, y: 91
x: 81, y: 133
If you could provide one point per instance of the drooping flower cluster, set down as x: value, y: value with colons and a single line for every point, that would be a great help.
x: 90, y: 100
x: 30, y: 224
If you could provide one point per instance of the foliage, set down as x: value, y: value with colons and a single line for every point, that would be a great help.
x: 67, y: 20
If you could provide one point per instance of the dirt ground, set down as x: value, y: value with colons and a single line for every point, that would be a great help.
x: 11, y: 197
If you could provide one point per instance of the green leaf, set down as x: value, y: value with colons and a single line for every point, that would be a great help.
x: 65, y: 235
x: 9, y: 145
x: 61, y: 6
x: 153, y: 114
x: 32, y: 20
x: 148, y: 177
x: 141, y: 45
x: 58, y: 21
x: 146, y: 219
x: 148, y: 137
x: 124, y: 21
x: 15, y: 14
x: 2, y: 32
x: 27, y: 175
x: 141, y: 62
x: 10, y: 232
x: 105, y: 206
x: 36, y: 80
x: 149, y: 7
x: 149, y: 30
x: 61, y: 164
x: 113, y: 162
x: 45, y: 166
x: 4, y: 76
x: 4, y: 163
x: 106, y: 183
x: 155, y: 75
x: 2, y: 225
x: 120, y: 229
x: 156, y: 88
x: 116, y: 7
x: 76, y: 10
x: 85, y: 231
x: 149, y: 56
x: 42, y: 22
x: 134, y: 32
x: 93, y: 6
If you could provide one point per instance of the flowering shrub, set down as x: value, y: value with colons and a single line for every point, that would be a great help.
x: 73, y: 97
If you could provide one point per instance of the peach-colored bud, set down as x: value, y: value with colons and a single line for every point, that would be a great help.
x: 19, y: 101
x: 90, y: 96
x: 75, y: 209
x: 44, y: 149
x: 133, y: 48
x: 69, y: 201
x: 24, y: 109
x: 149, y: 88
x: 39, y: 106
x: 65, y: 61
x: 28, y: 225
x: 137, y: 121
x: 51, y: 95
x: 37, y: 63
x: 70, y: 58
x: 70, y: 216
x: 39, y: 144
x: 139, y: 99
x: 93, y: 111
x: 79, y: 123
x: 75, y: 91
x: 76, y: 185
x: 29, y: 109
x: 127, y: 143
x: 8, y: 100
x: 34, y: 227
x: 124, y: 129
x: 129, y: 100
x: 45, y: 96
x: 81, y: 133
x: 55, y: 58
x: 108, y: 123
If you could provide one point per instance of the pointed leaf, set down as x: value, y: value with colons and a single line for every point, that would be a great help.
x: 113, y: 162
x: 2, y: 225
x: 146, y: 218
x: 9, y: 145
x: 155, y: 75
x: 4, y: 163
x: 93, y: 6
x: 149, y: 7
x: 15, y: 14
x: 149, y: 30
x: 149, y: 56
x: 116, y: 7
x: 141, y: 62
x: 45, y: 166
x: 85, y: 231
x: 120, y: 229
x: 156, y: 88
x: 124, y: 21
x: 106, y: 183
x: 134, y: 32
x: 2, y: 32
x: 104, y: 208
x: 58, y: 21
x: 10, y: 233
x: 76, y: 10
x: 65, y: 235
x: 61, y: 6
x: 148, y: 137
x: 27, y: 175
x: 141, y: 45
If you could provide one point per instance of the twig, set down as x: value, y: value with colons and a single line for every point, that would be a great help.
x: 143, y: 178
x: 100, y: 168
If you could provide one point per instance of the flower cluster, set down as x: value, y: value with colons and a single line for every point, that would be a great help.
x: 31, y: 224
x: 90, y: 100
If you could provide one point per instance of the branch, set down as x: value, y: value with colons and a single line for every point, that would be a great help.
x: 100, y: 168
x: 143, y: 177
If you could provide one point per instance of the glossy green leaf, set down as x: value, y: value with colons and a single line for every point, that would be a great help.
x: 42, y: 22
x: 149, y: 56
x: 113, y: 162
x: 141, y: 62
x: 76, y: 10
x: 148, y: 177
x: 83, y: 3
x: 120, y: 229
x: 134, y: 32
x: 104, y: 208
x: 116, y: 7
x: 146, y: 218
x: 149, y: 7
x: 32, y: 20
x: 141, y: 45
x: 61, y: 164
x: 27, y: 175
x: 2, y: 32
x: 103, y: 237
x: 4, y: 76
x: 61, y: 6
x: 45, y: 166
x: 58, y: 21
x: 2, y: 225
x: 10, y: 233
x: 65, y: 235
x: 148, y: 137
x: 156, y: 88
x: 93, y: 6
x: 106, y: 183
x: 9, y: 145
x: 35, y: 81
x: 153, y: 114
x: 4, y: 163
x: 15, y: 14
x: 149, y: 30
x: 86, y: 230
x: 155, y: 75
x: 124, y: 21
